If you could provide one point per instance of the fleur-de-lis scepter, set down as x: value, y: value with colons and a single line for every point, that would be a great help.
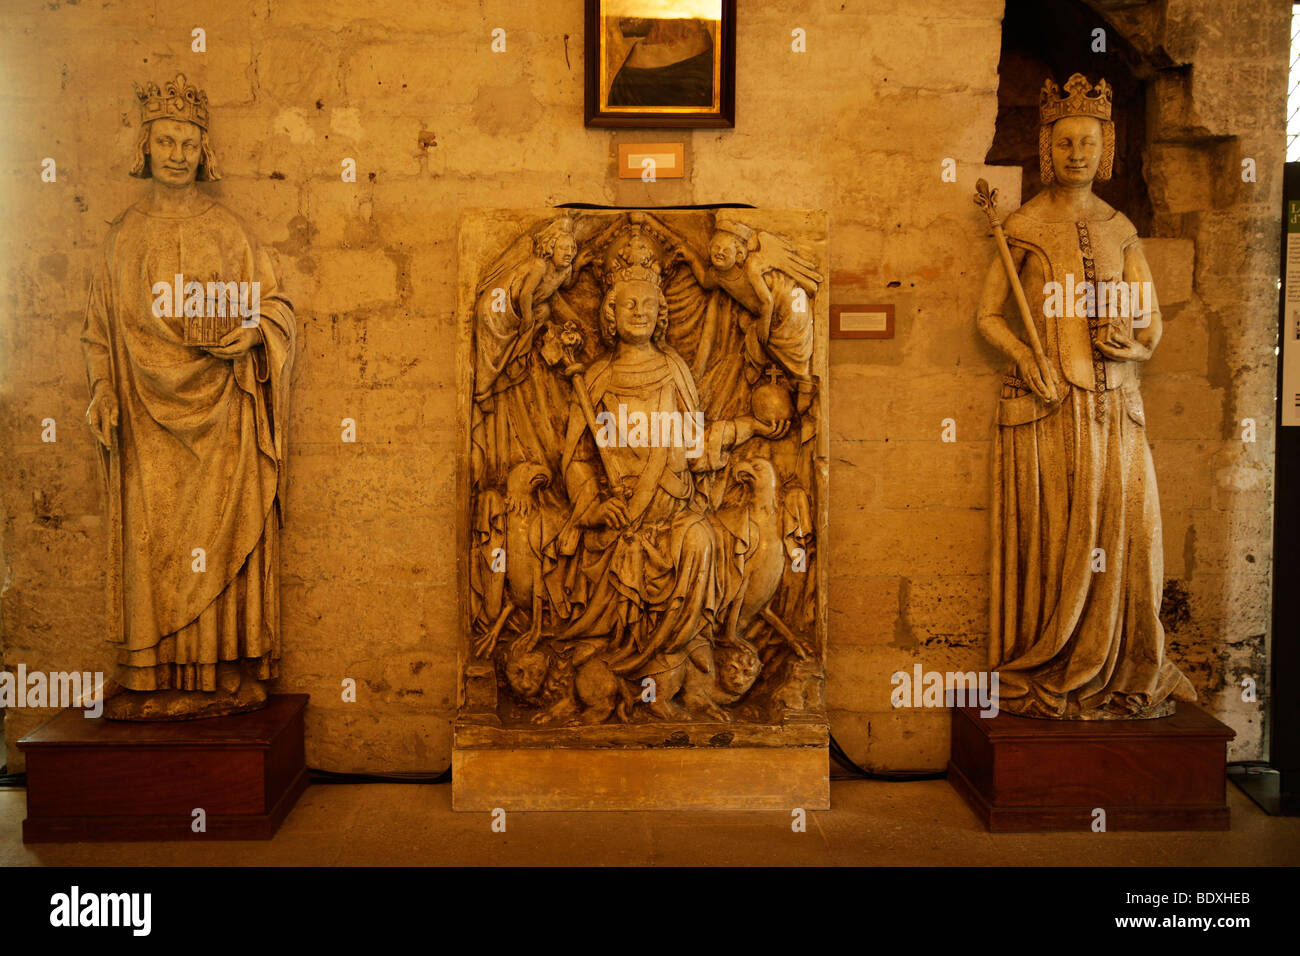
x: 986, y: 199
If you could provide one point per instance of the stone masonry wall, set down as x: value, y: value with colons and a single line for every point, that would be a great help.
x: 437, y: 122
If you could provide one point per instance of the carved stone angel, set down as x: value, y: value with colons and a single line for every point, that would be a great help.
x: 773, y: 282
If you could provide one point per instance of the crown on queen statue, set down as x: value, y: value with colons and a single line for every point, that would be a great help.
x: 1081, y: 99
x: 176, y: 100
x: 633, y: 256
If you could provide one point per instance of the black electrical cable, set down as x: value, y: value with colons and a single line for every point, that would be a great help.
x: 597, y: 207
x: 317, y: 775
x: 330, y: 776
x: 893, y: 776
x: 1245, y: 768
x: 19, y: 780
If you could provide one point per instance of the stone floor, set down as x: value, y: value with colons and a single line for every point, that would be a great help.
x: 898, y: 824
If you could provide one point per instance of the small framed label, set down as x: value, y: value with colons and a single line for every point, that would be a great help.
x: 651, y: 161
x: 862, y: 321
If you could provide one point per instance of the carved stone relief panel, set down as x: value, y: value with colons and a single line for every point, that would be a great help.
x: 644, y: 508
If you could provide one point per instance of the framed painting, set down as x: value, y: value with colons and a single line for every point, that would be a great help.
x: 661, y: 63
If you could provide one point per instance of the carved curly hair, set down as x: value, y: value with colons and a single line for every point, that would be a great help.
x: 207, y: 171
x: 545, y: 241
x: 1104, y: 168
x: 743, y: 247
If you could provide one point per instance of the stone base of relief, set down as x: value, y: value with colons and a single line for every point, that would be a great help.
x: 644, y: 418
x: 698, y: 767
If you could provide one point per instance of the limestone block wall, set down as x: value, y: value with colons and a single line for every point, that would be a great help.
x: 1215, y: 102
x: 437, y: 122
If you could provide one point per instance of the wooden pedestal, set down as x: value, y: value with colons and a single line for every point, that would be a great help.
x: 1020, y: 773
x: 702, y: 766
x: 104, y: 780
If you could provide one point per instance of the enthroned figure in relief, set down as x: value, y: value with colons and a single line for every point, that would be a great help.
x: 648, y: 567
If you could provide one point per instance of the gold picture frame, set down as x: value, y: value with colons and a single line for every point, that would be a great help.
x: 661, y: 63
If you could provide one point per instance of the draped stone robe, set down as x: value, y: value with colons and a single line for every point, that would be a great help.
x: 1074, y: 484
x: 655, y: 584
x: 198, y: 459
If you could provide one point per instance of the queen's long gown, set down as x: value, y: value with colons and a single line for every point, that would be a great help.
x: 652, y: 587
x: 1075, y: 492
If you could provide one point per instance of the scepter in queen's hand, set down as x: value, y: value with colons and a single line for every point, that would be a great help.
x: 559, y: 346
x: 986, y: 199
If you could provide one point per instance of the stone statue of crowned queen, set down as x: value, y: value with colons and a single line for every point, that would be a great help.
x: 1077, y: 563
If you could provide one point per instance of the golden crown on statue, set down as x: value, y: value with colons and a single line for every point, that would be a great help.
x: 1081, y: 99
x: 176, y: 100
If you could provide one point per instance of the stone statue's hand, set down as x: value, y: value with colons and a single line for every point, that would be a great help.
x: 1121, y: 348
x: 1027, y: 369
x: 238, y: 341
x: 686, y: 254
x: 747, y: 426
x: 611, y: 512
x: 102, y: 415
x: 772, y: 430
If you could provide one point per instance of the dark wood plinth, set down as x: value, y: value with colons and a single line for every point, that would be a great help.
x: 1020, y: 773
x: 105, y: 780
